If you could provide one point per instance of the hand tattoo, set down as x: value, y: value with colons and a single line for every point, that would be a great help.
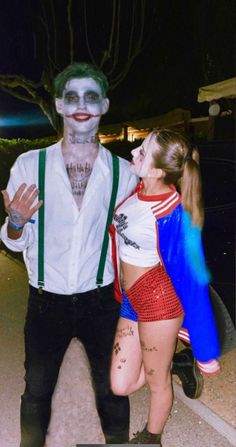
x: 16, y: 217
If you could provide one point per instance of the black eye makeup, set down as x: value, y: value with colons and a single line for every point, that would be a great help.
x: 92, y: 97
x: 89, y: 97
x: 71, y: 97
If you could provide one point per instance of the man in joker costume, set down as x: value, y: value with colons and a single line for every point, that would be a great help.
x: 78, y: 186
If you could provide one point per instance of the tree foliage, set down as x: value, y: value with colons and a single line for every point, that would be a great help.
x: 108, y: 34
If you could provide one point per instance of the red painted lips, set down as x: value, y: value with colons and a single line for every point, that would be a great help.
x: 82, y: 116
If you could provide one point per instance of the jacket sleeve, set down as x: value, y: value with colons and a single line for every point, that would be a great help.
x: 182, y: 253
x: 18, y: 175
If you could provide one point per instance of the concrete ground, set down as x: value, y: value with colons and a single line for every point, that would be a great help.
x: 207, y: 422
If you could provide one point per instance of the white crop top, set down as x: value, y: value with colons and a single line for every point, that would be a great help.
x: 136, y: 226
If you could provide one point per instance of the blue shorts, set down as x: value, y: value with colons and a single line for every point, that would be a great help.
x: 127, y: 310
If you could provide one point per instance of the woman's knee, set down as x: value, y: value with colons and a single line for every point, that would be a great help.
x: 120, y: 386
x: 159, y: 382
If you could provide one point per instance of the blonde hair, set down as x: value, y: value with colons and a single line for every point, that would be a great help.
x: 180, y: 162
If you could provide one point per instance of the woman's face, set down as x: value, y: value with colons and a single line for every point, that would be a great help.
x: 142, y: 161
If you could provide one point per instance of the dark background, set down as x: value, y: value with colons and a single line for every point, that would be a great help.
x: 186, y: 44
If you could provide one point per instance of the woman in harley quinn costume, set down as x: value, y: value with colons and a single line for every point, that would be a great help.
x: 161, y: 276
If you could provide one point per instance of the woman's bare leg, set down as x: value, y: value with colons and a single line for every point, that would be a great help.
x: 158, y: 341
x: 127, y: 371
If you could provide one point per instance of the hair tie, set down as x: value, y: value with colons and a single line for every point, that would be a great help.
x: 188, y: 157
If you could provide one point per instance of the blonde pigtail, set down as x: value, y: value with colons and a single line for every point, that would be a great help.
x: 191, y: 188
x: 180, y: 163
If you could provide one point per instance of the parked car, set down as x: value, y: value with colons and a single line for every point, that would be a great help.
x: 218, y: 176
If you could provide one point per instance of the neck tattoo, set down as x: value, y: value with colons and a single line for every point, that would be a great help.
x: 77, y: 138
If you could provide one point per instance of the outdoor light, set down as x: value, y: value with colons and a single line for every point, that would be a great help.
x: 214, y: 109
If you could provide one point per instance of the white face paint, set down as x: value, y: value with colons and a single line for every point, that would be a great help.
x: 142, y: 161
x: 82, y: 106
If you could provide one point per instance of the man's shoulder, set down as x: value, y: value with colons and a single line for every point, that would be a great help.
x: 124, y: 164
x: 32, y: 155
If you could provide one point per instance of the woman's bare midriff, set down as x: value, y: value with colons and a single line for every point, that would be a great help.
x: 130, y: 273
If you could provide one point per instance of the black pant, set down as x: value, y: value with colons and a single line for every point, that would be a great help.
x: 52, y: 321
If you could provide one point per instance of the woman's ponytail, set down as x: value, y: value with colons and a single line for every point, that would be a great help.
x: 191, y: 188
x: 181, y: 166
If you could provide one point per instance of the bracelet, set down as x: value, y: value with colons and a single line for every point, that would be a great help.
x: 19, y: 227
x: 16, y: 227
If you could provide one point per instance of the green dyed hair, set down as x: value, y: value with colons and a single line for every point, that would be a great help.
x: 78, y: 70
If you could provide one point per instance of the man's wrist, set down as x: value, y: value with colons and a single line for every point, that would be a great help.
x: 15, y: 226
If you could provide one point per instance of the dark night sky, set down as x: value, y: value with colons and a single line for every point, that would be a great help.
x: 188, y: 43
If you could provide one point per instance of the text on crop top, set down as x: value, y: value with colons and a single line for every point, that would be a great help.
x: 136, y: 226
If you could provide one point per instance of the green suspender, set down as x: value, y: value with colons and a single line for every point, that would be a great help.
x: 41, y: 183
x: 115, y: 161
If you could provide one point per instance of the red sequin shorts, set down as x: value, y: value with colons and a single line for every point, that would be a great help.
x: 153, y: 296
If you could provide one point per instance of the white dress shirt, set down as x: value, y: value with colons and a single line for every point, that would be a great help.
x: 73, y: 238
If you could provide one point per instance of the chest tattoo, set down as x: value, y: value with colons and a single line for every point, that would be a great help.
x: 79, y: 174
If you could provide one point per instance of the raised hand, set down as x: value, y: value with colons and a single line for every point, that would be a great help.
x: 20, y: 208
